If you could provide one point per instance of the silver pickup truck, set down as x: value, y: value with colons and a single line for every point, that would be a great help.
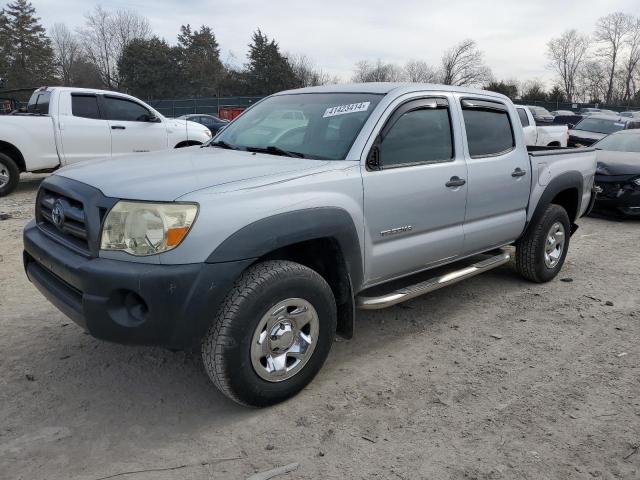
x: 260, y: 245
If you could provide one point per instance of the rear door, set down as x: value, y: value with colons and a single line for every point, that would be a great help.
x: 528, y: 126
x: 133, y: 128
x: 499, y: 175
x: 414, y: 200
x: 84, y: 132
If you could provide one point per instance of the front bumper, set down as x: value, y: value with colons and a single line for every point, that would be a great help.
x: 128, y: 302
x: 619, y: 194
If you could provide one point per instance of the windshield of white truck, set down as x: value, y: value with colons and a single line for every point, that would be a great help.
x: 307, y: 125
x: 599, y: 125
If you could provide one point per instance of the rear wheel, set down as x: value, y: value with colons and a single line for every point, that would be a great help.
x: 541, y: 252
x: 9, y: 175
x: 272, y: 333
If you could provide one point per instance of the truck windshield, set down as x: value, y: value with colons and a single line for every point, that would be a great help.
x: 308, y: 125
x: 599, y: 125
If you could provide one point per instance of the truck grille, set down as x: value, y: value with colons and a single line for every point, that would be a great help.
x: 63, y: 217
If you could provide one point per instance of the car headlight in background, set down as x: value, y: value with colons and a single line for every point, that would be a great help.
x: 636, y: 181
x: 142, y: 228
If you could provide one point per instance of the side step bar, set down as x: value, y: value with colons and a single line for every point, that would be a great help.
x: 413, y: 291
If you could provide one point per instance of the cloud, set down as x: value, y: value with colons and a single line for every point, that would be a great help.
x: 336, y: 34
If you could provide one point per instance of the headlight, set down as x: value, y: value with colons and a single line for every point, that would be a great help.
x: 636, y: 181
x: 141, y: 228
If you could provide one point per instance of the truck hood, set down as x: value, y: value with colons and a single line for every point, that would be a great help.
x: 167, y: 175
x: 618, y: 163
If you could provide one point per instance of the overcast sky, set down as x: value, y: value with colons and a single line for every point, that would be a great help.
x: 336, y: 34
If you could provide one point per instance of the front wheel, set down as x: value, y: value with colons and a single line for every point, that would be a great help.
x: 272, y: 333
x: 541, y: 252
x: 9, y: 175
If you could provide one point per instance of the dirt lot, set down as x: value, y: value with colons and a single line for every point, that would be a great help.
x: 493, y: 378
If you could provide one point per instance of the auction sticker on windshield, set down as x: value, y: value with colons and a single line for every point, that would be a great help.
x: 343, y: 109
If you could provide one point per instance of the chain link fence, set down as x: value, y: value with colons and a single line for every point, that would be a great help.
x: 176, y: 107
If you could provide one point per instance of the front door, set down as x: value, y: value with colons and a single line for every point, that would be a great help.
x: 414, y: 191
x: 133, y: 127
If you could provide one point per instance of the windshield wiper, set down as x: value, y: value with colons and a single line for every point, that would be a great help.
x: 223, y: 144
x: 276, y: 151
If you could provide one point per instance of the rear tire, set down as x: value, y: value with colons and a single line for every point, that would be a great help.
x: 9, y: 175
x: 272, y: 333
x: 541, y: 252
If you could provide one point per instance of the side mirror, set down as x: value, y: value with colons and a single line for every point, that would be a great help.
x: 153, y: 119
x: 374, y: 162
x: 571, y: 126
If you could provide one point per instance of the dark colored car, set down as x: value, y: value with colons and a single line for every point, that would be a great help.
x: 540, y: 114
x: 595, y: 127
x: 213, y: 123
x: 618, y: 172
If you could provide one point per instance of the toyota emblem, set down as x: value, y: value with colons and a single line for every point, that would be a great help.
x: 57, y: 214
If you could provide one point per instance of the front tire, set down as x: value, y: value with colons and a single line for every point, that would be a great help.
x: 541, y: 252
x: 272, y: 333
x: 9, y: 175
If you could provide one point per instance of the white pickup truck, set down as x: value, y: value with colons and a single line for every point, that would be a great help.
x: 541, y: 136
x: 64, y: 125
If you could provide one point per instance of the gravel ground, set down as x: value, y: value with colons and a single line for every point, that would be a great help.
x: 492, y: 378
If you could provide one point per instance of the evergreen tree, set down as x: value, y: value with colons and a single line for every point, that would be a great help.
x: 200, y: 61
x: 26, y: 49
x: 151, y: 69
x: 268, y: 71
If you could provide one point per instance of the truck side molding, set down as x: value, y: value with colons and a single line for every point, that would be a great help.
x: 565, y: 182
x: 271, y: 233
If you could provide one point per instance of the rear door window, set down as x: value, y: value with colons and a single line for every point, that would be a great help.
x: 488, y: 128
x: 523, y: 117
x: 85, y: 106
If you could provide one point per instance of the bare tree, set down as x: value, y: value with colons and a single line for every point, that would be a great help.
x: 378, y: 72
x: 611, y: 31
x: 67, y: 51
x: 105, y: 36
x: 463, y: 65
x: 631, y: 63
x: 306, y: 73
x: 591, y: 83
x: 420, y: 72
x: 566, y: 54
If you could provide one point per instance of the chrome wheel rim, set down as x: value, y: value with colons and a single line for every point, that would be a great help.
x: 284, y: 339
x: 554, y: 245
x: 4, y: 175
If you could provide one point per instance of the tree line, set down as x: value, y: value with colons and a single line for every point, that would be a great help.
x: 117, y: 50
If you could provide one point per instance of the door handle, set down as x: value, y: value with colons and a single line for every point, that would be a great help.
x: 518, y: 172
x: 118, y: 127
x: 455, y: 182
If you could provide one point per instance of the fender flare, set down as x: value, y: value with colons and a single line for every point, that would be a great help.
x: 271, y: 233
x: 564, y: 181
